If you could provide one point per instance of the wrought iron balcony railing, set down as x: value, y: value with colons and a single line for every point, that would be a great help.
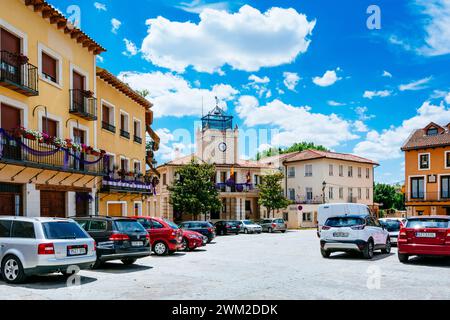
x: 17, y: 74
x: 128, y: 185
x: 30, y: 152
x: 237, y: 187
x: 443, y: 195
x: 108, y: 126
x: 137, y: 139
x: 124, y: 134
x: 83, y: 104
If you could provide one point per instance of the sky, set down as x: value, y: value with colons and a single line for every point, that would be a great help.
x: 354, y: 78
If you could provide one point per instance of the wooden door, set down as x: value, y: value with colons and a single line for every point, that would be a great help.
x: 78, y: 92
x: 10, y: 120
x: 79, y: 136
x: 10, y: 45
x: 115, y: 210
x: 53, y: 204
x: 7, y: 204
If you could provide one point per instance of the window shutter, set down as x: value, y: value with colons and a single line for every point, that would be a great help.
x: 49, y: 66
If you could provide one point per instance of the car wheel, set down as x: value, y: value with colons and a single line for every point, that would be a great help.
x: 403, y: 258
x: 368, y: 250
x: 283, y: 231
x: 12, y: 270
x: 128, y: 261
x: 160, y: 248
x: 97, y: 264
x: 237, y: 233
x: 270, y: 230
x: 246, y: 231
x: 387, y: 248
x: 185, y: 245
x: 171, y: 252
x: 325, y: 253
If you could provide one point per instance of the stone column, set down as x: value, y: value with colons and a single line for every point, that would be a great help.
x: 71, y: 204
x: 32, y: 201
x: 238, y: 208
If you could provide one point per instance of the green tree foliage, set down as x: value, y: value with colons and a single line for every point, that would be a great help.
x: 271, y: 193
x: 390, y: 196
x: 302, y: 146
x: 194, y: 191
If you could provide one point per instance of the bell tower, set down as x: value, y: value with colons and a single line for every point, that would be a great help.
x: 216, y: 140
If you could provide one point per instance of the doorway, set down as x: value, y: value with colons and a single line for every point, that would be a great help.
x: 53, y: 204
x: 79, y: 136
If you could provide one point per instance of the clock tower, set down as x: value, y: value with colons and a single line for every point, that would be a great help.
x: 217, y: 140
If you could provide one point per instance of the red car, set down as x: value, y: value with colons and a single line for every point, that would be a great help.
x: 165, y: 236
x: 424, y: 236
x: 191, y: 240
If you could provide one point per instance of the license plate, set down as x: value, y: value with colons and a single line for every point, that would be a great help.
x: 137, y: 243
x: 76, y: 251
x: 340, y: 234
x: 425, y: 235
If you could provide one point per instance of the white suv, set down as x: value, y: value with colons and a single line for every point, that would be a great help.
x: 30, y: 246
x: 361, y: 233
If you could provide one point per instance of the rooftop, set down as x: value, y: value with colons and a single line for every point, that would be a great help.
x: 316, y: 154
x: 433, y: 135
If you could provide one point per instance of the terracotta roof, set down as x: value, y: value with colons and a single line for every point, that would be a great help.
x: 316, y: 154
x: 54, y: 16
x: 277, y: 158
x: 419, y: 140
x: 111, y: 79
x: 240, y: 164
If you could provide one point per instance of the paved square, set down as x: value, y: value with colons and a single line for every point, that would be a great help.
x: 266, y: 266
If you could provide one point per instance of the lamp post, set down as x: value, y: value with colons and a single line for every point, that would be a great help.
x: 324, y: 185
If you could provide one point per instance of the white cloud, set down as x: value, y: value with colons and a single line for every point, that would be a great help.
x: 295, y: 123
x: 100, y: 59
x: 245, y: 40
x: 447, y: 98
x: 131, y: 49
x: 291, y: 80
x: 255, y: 79
x: 197, y: 6
x: 386, y: 74
x: 437, y: 29
x: 335, y: 103
x: 328, y: 79
x: 383, y: 93
x: 115, y: 25
x: 174, y: 144
x: 386, y: 144
x: 362, y: 113
x: 100, y: 6
x: 172, y: 95
x: 360, y: 126
x: 415, y: 85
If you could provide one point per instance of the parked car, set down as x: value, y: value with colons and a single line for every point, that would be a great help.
x: 273, y: 225
x: 424, y: 236
x: 117, y: 238
x: 203, y: 227
x: 248, y: 226
x: 392, y: 225
x: 360, y: 233
x: 191, y: 240
x: 227, y: 227
x: 165, y: 236
x: 31, y: 246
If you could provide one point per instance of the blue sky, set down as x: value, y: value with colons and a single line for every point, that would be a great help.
x: 312, y: 70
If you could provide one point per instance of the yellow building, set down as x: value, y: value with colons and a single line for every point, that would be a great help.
x: 51, y: 136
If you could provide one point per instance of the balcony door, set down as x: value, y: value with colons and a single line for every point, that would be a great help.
x: 417, y: 188
x: 10, y: 120
x: 10, y: 50
x: 79, y: 136
x: 78, y: 86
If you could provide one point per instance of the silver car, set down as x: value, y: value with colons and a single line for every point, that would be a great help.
x: 393, y: 226
x: 273, y: 224
x: 30, y: 246
x: 248, y: 226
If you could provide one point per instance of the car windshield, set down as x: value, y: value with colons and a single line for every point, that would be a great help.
x: 428, y: 223
x: 171, y: 224
x: 233, y: 223
x: 129, y: 226
x: 247, y: 222
x: 344, y: 222
x: 391, y: 225
x: 63, y: 230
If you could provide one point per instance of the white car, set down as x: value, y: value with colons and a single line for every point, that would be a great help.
x: 30, y: 246
x: 393, y: 225
x: 360, y: 233
x: 248, y: 226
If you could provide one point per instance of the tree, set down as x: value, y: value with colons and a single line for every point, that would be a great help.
x: 296, y: 147
x: 194, y: 191
x: 271, y: 193
x: 390, y: 196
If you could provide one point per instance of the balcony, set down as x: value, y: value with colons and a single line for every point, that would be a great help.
x: 309, y: 200
x: 121, y: 184
x: 443, y: 196
x: 29, y: 151
x: 124, y: 134
x: 17, y: 74
x: 109, y: 127
x: 83, y: 104
x: 137, y: 139
x: 236, y: 187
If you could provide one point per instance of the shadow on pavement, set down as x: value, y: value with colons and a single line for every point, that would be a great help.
x: 176, y: 255
x: 111, y: 267
x: 441, y: 262
x: 356, y: 256
x: 51, y: 281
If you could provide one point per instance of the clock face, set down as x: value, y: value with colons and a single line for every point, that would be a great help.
x: 223, y: 146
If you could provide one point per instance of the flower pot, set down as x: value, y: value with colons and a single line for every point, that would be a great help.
x: 29, y: 136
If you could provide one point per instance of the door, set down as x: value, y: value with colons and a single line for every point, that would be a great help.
x: 78, y: 92
x: 79, y: 136
x: 53, y: 204
x: 10, y: 47
x: 7, y: 204
x: 10, y: 120
x: 5, y: 233
x: 82, y: 204
x: 115, y: 210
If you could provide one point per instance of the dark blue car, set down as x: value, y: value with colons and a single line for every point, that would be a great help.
x: 203, y: 227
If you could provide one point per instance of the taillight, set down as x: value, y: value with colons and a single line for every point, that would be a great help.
x: 228, y: 226
x: 210, y: 230
x: 326, y: 228
x: 402, y: 237
x: 119, y: 237
x: 95, y: 246
x: 361, y: 227
x: 46, y: 248
x: 274, y: 225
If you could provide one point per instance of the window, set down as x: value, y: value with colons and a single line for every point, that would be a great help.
x: 124, y: 164
x: 308, y: 170
x: 309, y: 194
x: 341, y: 171
x: 157, y: 225
x: 331, y: 193
x: 350, y: 171
x: 124, y: 130
x: 417, y: 188
x: 108, y: 118
x: 97, y: 226
x: 23, y: 230
x: 164, y: 179
x: 286, y: 216
x: 367, y: 173
x: 350, y: 194
x: 445, y: 187
x: 49, y: 68
x: 137, y: 128
x: 367, y: 193
x: 5, y: 228
x: 291, y: 172
x: 447, y: 159
x: 50, y: 127
x: 341, y: 193
x: 137, y: 167
x: 359, y: 172
x: 424, y: 161
x: 432, y: 131
x: 63, y: 230
x: 307, y: 216
x: 331, y: 170
x: 292, y: 194
x: 359, y: 193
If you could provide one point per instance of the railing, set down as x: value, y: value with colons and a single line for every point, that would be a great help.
x: 137, y: 139
x: 237, y: 187
x: 17, y: 74
x: 127, y: 185
x: 309, y: 200
x: 83, y: 104
x: 108, y: 126
x: 33, y: 153
x: 443, y: 195
x: 124, y: 134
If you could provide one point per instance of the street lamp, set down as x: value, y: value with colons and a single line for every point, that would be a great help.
x: 324, y: 184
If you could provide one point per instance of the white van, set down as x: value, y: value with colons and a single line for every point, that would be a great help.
x: 338, y: 209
